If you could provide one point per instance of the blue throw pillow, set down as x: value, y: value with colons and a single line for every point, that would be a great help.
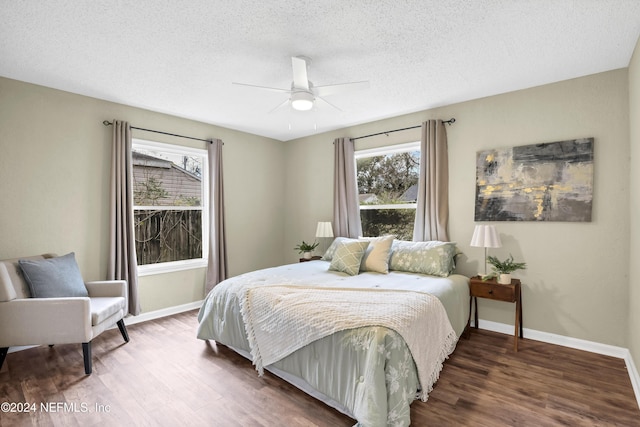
x: 54, y: 277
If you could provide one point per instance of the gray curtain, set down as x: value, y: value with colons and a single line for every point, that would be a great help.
x: 346, y: 206
x: 432, y: 210
x: 122, y: 245
x: 217, y: 267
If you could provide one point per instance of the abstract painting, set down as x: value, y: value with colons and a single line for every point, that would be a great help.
x: 539, y: 182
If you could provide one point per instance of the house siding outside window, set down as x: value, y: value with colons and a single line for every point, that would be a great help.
x: 170, y: 213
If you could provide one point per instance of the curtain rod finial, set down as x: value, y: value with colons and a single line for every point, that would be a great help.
x: 106, y: 122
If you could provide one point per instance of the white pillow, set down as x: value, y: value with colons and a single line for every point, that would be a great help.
x: 378, y: 253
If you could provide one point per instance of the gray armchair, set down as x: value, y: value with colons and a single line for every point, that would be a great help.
x: 36, y: 321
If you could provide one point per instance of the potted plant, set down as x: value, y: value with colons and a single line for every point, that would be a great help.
x: 503, y: 269
x: 305, y: 249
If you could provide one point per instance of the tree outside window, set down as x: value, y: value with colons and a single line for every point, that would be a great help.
x: 388, y: 186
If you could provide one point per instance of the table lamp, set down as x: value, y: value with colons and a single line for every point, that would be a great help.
x: 324, y: 231
x: 485, y: 236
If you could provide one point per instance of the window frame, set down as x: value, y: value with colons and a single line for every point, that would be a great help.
x: 383, y: 151
x: 188, y: 264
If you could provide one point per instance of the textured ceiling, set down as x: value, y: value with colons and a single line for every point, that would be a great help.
x: 180, y: 57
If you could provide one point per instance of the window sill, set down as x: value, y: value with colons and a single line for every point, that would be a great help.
x: 171, y: 267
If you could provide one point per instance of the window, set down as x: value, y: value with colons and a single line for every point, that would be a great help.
x: 388, y: 188
x: 170, y: 206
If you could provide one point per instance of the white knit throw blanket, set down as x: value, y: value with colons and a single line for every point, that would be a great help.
x: 281, y: 319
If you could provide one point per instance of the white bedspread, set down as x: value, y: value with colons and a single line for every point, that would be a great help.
x: 368, y: 373
x: 281, y: 319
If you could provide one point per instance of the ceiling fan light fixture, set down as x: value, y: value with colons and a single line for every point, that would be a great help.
x: 302, y: 101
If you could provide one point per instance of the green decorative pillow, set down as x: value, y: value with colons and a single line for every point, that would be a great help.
x: 376, y: 258
x: 348, y: 256
x: 328, y: 255
x: 434, y: 258
x: 54, y: 277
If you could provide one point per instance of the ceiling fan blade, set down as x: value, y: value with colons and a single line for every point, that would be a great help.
x: 340, y: 88
x: 282, y: 104
x: 273, y: 89
x: 300, y: 79
x: 324, y: 100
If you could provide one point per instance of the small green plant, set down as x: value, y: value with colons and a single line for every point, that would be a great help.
x: 306, y: 247
x: 507, y: 266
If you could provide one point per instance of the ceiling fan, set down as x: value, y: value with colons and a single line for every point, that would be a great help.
x: 303, y: 93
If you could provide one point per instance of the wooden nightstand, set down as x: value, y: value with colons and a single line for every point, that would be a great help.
x: 313, y: 258
x: 491, y: 289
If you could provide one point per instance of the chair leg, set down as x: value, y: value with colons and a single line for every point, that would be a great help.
x: 3, y: 354
x: 86, y: 352
x: 123, y: 330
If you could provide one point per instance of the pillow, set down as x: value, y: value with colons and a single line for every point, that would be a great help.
x: 54, y: 277
x: 348, y: 256
x: 376, y: 258
x: 434, y: 258
x: 328, y: 255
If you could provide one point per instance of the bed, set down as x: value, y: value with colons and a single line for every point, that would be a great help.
x: 371, y: 370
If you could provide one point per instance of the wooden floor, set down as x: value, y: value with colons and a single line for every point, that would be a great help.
x: 167, y: 377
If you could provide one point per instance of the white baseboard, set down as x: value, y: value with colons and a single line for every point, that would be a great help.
x: 590, y: 346
x: 633, y: 375
x: 164, y: 312
x: 593, y: 347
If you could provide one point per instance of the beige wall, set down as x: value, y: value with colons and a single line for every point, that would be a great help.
x: 634, y: 253
x: 576, y: 283
x: 54, y: 168
x: 54, y: 184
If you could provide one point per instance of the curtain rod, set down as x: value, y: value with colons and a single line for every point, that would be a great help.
x: 450, y: 122
x: 108, y: 123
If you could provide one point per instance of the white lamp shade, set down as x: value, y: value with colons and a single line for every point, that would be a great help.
x: 486, y: 236
x: 324, y: 229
